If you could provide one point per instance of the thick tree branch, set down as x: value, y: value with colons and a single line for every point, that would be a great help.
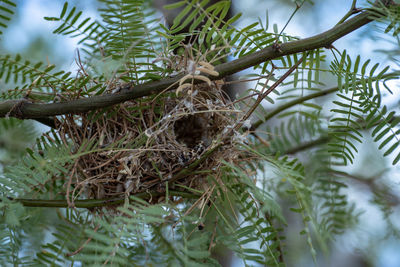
x: 321, y: 40
x: 25, y: 110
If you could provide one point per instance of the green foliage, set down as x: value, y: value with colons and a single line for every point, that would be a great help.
x: 336, y: 213
x: 41, y: 82
x: 37, y: 171
x: 7, y: 9
x: 69, y: 18
x: 10, y: 240
x: 248, y: 206
x: 15, y: 136
x: 294, y: 132
x: 360, y: 106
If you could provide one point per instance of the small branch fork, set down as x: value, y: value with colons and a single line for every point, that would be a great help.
x: 353, y: 10
x: 267, y: 92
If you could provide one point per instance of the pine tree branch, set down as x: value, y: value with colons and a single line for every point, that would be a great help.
x: 25, y: 110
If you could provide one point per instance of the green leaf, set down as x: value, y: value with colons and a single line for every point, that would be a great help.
x: 175, y: 5
x: 64, y: 10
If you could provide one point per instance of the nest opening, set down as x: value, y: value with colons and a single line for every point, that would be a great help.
x: 192, y: 130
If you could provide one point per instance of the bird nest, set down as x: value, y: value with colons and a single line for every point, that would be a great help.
x: 140, y: 145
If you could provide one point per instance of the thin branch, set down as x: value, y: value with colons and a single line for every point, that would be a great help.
x: 276, y: 239
x: 290, y: 18
x: 83, y: 245
x: 26, y: 110
x: 290, y: 104
x: 300, y: 100
x: 353, y: 10
x: 322, y: 140
x: 381, y: 190
x: 266, y: 93
x: 95, y: 203
x: 325, y: 139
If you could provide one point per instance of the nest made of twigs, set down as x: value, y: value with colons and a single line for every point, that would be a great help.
x: 139, y: 145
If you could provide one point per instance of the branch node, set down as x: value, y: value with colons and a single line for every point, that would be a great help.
x: 329, y: 46
x: 16, y: 110
x: 277, y: 47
